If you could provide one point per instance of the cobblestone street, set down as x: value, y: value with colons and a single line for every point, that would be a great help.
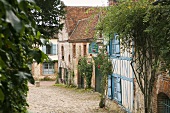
x: 53, y: 99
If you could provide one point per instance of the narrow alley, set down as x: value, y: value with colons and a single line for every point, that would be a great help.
x: 53, y: 99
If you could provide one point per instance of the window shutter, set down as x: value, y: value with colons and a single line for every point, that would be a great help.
x: 117, y: 45
x: 109, y: 86
x: 54, y: 49
x: 110, y: 46
x: 118, y: 90
x: 44, y: 49
x: 93, y: 47
x: 90, y: 48
x: 108, y: 49
x: 96, y: 47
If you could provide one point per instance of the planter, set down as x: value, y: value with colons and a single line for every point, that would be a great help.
x: 37, y: 83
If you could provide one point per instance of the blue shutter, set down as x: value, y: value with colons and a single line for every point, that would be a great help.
x: 116, y: 88
x: 113, y: 87
x: 110, y: 47
x: 44, y: 49
x: 109, y: 86
x: 54, y: 49
x: 116, y: 45
x: 119, y: 98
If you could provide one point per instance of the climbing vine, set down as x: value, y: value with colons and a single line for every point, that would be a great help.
x: 144, y: 27
x: 104, y: 66
x: 85, y: 70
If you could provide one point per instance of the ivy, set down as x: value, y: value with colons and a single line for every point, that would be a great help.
x: 19, y: 42
x: 85, y: 69
x: 145, y: 28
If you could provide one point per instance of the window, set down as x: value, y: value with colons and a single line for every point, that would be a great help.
x: 50, y: 49
x: 85, y: 50
x: 115, y: 46
x: 74, y: 51
x: 79, y: 50
x: 117, y: 89
x: 69, y: 58
x: 62, y: 52
x: 93, y: 48
x: 48, y: 68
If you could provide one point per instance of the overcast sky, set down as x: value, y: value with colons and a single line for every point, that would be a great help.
x: 85, y: 2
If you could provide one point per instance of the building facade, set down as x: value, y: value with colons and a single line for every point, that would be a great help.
x: 49, y: 69
x: 74, y: 42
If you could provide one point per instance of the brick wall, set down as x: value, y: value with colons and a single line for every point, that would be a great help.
x: 162, y: 85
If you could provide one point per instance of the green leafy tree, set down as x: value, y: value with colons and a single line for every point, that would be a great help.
x: 85, y: 69
x: 49, y: 19
x: 19, y: 42
x: 104, y: 66
x: 144, y: 27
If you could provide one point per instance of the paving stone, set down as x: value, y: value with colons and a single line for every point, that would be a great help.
x: 52, y: 99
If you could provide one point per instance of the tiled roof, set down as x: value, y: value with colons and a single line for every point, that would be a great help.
x: 85, y: 29
x: 74, y: 14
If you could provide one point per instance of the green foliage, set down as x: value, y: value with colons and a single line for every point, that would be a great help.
x: 104, y: 66
x: 85, y: 69
x: 145, y: 28
x: 19, y: 41
x: 158, y: 18
x: 103, y: 63
x: 49, y: 19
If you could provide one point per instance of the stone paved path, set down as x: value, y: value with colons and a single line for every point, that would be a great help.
x: 52, y: 99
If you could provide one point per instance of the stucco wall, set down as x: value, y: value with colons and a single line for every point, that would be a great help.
x: 37, y: 72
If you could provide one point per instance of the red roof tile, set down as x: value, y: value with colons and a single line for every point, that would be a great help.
x: 74, y: 14
x: 85, y: 29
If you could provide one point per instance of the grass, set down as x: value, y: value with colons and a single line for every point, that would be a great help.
x: 81, y: 90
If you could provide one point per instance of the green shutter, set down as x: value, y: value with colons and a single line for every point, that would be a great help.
x: 90, y: 49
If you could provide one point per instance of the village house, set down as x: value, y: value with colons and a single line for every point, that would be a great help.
x: 47, y: 70
x: 75, y: 41
x: 122, y: 85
